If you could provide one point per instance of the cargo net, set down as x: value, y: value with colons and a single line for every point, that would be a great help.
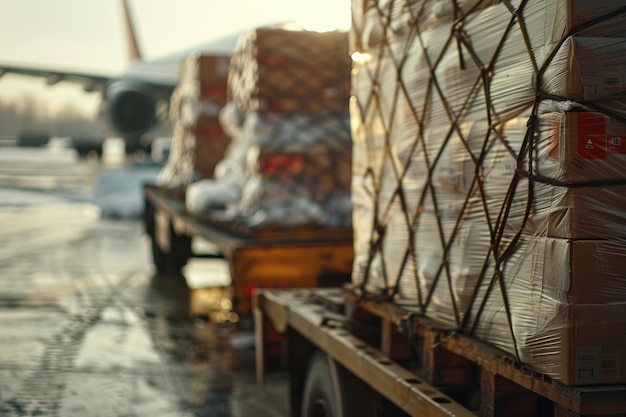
x: 198, y: 142
x: 280, y: 70
x: 281, y: 170
x: 489, y: 170
x: 185, y: 107
x: 289, y: 162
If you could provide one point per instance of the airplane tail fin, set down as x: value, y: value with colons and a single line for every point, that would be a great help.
x: 134, y: 53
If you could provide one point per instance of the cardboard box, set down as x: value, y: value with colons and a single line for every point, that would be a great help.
x: 593, y: 349
x: 568, y: 309
x: 581, y: 12
x: 575, y: 271
x: 211, y: 145
x: 598, y: 68
x: 542, y: 272
x: 590, y: 148
x: 566, y: 293
x: 209, y: 73
x: 597, y: 272
x: 213, y: 69
x: 291, y: 71
x: 583, y: 213
x: 204, y: 69
x: 584, y: 345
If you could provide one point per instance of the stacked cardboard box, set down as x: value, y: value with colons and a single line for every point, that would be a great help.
x: 489, y: 173
x: 290, y: 70
x: 288, y: 114
x: 198, y: 142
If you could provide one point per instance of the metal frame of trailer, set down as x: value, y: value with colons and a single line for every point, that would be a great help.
x: 290, y: 257
x: 404, y: 364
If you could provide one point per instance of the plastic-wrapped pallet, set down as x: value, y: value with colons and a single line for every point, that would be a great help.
x: 489, y: 173
x: 290, y: 70
x: 288, y: 116
x: 198, y: 141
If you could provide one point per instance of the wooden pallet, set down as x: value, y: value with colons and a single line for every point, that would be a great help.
x: 481, y: 378
x: 476, y: 374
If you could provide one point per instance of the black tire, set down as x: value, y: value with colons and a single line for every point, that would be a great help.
x: 330, y: 390
x: 321, y: 397
x: 180, y: 250
x: 176, y: 259
x: 180, y: 246
x: 160, y: 259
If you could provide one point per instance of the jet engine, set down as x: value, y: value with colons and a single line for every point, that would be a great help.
x: 130, y: 107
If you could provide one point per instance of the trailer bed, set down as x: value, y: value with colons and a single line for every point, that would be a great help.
x: 421, y: 367
x: 284, y: 257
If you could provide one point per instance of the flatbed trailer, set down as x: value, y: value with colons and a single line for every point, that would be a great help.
x: 289, y: 257
x: 350, y: 354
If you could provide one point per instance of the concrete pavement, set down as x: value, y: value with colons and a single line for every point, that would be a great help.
x: 88, y: 329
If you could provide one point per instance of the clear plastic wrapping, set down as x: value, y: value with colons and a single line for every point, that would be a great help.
x: 288, y: 115
x: 489, y: 173
x: 198, y: 142
x: 285, y: 69
x: 291, y: 170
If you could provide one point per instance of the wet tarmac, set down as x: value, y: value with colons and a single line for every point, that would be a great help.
x: 86, y: 327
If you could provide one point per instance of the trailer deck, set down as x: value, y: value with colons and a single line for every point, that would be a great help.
x: 422, y: 368
x: 287, y: 257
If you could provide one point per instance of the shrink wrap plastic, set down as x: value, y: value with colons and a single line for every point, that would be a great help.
x: 198, y: 142
x: 288, y: 170
x: 489, y: 173
x: 288, y: 116
x: 285, y: 69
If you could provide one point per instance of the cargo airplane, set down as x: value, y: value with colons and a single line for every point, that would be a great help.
x: 130, y: 101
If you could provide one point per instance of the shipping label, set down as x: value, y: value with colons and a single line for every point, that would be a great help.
x: 616, y: 137
x: 588, y: 364
x: 610, y: 365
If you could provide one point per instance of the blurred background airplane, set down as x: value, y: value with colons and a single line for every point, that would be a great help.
x: 134, y: 101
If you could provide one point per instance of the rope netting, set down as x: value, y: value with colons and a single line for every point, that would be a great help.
x: 488, y: 150
x: 283, y: 70
x: 289, y: 160
x: 198, y: 142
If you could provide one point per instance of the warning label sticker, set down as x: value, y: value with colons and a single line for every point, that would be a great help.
x: 592, y: 143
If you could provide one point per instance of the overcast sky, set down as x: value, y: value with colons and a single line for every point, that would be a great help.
x: 89, y: 34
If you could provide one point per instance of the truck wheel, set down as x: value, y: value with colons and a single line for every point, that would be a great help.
x: 321, y: 397
x: 180, y: 245
x: 180, y: 250
x: 177, y: 257
x: 159, y: 258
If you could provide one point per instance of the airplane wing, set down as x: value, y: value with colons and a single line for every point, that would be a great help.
x: 129, y: 99
x: 91, y: 81
x: 155, y: 75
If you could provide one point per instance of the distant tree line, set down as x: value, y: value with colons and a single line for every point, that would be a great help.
x: 31, y: 115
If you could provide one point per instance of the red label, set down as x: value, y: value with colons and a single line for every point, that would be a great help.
x: 213, y: 92
x: 592, y: 143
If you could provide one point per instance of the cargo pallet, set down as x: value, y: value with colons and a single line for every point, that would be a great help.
x: 290, y: 257
x: 381, y: 358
